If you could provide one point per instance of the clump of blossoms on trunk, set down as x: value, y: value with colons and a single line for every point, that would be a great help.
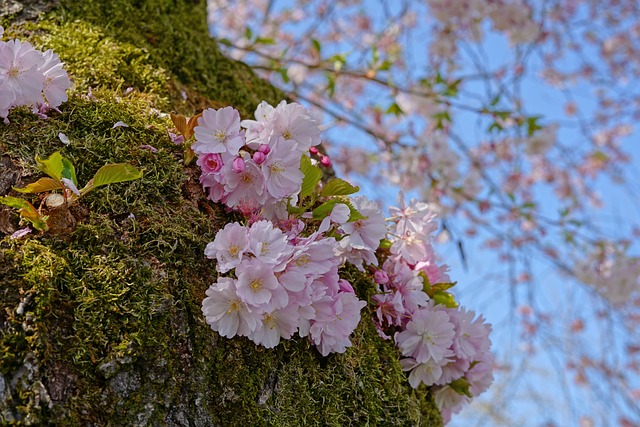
x: 443, y: 345
x: 282, y: 265
x: 30, y: 78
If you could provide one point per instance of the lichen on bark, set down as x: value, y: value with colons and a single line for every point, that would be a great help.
x: 100, y: 324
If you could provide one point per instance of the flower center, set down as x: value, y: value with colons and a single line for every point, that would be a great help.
x: 212, y: 163
x: 265, y: 248
x: 255, y: 285
x: 234, y: 306
x: 286, y: 134
x: 276, y: 169
x: 303, y: 259
x: 234, y: 250
x: 246, y: 178
x: 269, y: 319
x: 13, y: 72
x: 220, y: 135
x: 427, y: 338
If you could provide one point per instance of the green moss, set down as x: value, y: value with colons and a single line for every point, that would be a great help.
x: 101, y: 325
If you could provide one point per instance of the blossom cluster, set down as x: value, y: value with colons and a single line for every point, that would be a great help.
x: 285, y: 284
x: 259, y: 166
x: 612, y: 273
x: 444, y: 346
x: 30, y: 78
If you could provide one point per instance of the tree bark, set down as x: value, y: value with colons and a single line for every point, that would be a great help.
x: 100, y: 322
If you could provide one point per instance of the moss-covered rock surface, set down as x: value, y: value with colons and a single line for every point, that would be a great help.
x: 100, y: 320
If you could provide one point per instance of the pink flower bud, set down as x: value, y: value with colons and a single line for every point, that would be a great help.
x: 238, y: 165
x: 264, y: 149
x: 259, y: 157
x: 313, y: 150
x: 380, y: 277
x: 210, y: 163
x: 325, y: 161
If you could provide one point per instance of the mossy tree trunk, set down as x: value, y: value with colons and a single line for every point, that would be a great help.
x: 100, y: 320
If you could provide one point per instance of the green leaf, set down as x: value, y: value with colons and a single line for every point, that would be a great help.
x: 40, y: 186
x: 385, y: 66
x: 438, y: 287
x: 385, y: 244
x: 452, y: 89
x: 14, y: 202
x: 375, y: 54
x: 69, y: 171
x: 445, y: 298
x: 295, y: 210
x: 112, y: 173
x: 27, y: 211
x: 442, y: 118
x: 53, y: 166
x: 495, y: 127
x: 331, y: 85
x: 248, y: 33
x: 338, y: 187
x: 461, y: 386
x: 426, y: 284
x: 265, y: 40
x: 355, y: 215
x: 284, y: 75
x: 394, y: 109
x: 324, y: 210
x: 533, y: 125
x: 316, y: 45
x: 312, y: 176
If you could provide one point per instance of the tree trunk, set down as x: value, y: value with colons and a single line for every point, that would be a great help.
x: 100, y: 320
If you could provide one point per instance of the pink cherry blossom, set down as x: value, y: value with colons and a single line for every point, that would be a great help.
x: 365, y: 233
x: 258, y: 286
x: 225, y: 312
x: 268, y: 243
x: 340, y: 213
x: 275, y: 325
x: 210, y: 163
x: 228, y: 247
x: 281, y: 169
x: 427, y: 373
x: 218, y: 131
x: 334, y: 322
x: 428, y: 335
x: 259, y: 130
x: 293, y: 122
x: 244, y: 187
x: 472, y: 336
x: 56, y: 80
x: 20, y: 77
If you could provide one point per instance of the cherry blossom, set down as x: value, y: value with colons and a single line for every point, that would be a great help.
x: 225, y: 312
x: 218, y: 131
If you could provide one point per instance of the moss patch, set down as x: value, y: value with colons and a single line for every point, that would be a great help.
x: 102, y: 325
